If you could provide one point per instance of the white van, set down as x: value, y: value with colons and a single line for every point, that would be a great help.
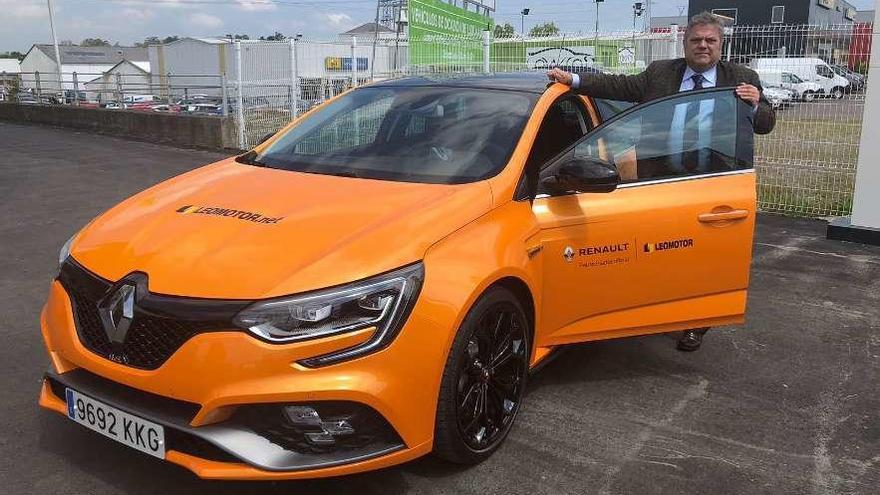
x: 803, y: 90
x: 810, y: 70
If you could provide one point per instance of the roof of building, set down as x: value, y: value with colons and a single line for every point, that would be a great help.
x: 866, y: 16
x: 83, y: 55
x: 666, y: 21
x: 10, y: 65
x: 368, y: 29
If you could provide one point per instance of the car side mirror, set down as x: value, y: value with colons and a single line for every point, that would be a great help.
x: 583, y: 174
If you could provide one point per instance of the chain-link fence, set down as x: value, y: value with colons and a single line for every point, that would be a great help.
x: 816, y: 76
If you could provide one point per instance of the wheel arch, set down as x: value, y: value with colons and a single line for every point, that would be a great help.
x: 523, y: 294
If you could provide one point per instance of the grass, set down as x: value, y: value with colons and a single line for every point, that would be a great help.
x: 806, y: 166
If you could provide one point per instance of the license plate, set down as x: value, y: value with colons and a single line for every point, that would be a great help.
x: 137, y: 433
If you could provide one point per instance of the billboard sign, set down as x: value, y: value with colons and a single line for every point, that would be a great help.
x: 440, y: 33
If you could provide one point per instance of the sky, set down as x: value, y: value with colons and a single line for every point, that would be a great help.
x: 25, y: 22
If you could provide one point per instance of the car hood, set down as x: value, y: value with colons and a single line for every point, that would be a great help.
x: 235, y: 231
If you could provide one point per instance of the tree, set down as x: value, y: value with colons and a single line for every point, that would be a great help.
x: 149, y: 40
x: 238, y: 36
x: 275, y: 37
x: 170, y: 39
x: 18, y: 55
x: 505, y: 31
x: 546, y: 29
x: 94, y: 42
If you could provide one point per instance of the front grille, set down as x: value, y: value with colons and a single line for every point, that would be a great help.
x: 153, y: 336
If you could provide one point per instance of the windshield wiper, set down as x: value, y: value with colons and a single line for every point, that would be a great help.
x: 250, y: 158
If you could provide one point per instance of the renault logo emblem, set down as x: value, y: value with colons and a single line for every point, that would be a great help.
x: 568, y: 254
x: 117, y: 312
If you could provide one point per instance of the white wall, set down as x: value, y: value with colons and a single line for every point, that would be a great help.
x: 866, y: 201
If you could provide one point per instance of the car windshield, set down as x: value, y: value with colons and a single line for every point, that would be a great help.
x: 439, y: 135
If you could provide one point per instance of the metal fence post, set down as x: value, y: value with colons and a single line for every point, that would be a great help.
x: 75, y: 89
x: 119, y: 90
x: 39, y: 86
x: 487, y: 52
x: 168, y: 88
x: 224, y: 87
x: 239, y: 108
x: 354, y: 43
x: 296, y: 85
x: 291, y: 46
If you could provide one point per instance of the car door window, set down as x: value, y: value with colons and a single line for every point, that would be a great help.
x: 564, y: 124
x: 824, y: 71
x: 689, y: 134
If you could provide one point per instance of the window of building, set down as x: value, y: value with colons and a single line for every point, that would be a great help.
x: 778, y: 16
x: 729, y: 13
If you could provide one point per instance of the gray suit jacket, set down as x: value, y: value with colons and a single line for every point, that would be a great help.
x: 663, y: 78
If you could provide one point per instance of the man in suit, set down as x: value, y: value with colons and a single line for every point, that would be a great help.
x: 700, y: 68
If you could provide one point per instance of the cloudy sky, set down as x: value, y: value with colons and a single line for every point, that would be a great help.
x: 24, y: 22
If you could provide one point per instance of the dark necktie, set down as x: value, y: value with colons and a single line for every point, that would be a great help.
x: 692, y: 127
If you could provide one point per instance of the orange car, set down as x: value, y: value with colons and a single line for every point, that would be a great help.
x: 376, y: 281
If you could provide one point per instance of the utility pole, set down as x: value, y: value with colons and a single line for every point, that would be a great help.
x: 55, y: 42
x: 375, y: 40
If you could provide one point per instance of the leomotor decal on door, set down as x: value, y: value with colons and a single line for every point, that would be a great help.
x: 652, y: 247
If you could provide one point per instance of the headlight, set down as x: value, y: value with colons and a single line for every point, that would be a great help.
x: 383, y: 302
x: 65, y: 251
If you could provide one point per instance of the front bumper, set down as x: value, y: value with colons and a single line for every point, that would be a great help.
x: 215, y: 374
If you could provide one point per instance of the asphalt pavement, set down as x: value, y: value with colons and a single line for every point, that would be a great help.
x: 787, y: 403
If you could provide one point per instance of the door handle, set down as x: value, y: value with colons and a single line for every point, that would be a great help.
x: 725, y: 216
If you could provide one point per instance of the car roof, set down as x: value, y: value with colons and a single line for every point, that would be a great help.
x: 528, y: 82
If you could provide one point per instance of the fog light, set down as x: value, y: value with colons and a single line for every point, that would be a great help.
x: 338, y: 428
x: 307, y: 421
x: 322, y: 437
x: 302, y: 416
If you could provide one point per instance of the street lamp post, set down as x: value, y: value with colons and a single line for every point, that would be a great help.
x: 522, y: 21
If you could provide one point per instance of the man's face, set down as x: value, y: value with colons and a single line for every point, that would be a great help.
x: 702, y: 47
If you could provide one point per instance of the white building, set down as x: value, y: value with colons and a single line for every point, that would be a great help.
x: 199, y: 64
x: 87, y: 62
x: 125, y: 78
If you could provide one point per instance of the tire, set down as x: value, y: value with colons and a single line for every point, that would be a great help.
x: 479, y: 401
x: 837, y: 93
x: 809, y: 96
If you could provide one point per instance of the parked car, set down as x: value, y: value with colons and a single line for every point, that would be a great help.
x: 778, y: 97
x: 377, y: 280
x: 144, y: 98
x: 165, y: 108
x: 71, y: 96
x: 857, y: 81
x: 205, y: 108
x: 813, y: 70
x: 803, y: 91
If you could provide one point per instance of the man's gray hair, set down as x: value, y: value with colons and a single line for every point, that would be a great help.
x: 704, y: 19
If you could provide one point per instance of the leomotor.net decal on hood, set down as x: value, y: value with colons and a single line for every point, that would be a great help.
x: 240, y: 232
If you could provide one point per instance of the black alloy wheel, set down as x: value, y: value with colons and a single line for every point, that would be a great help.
x: 484, y: 379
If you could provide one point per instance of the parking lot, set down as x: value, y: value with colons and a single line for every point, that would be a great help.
x: 786, y: 403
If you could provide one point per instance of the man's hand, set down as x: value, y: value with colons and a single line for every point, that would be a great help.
x: 749, y: 93
x: 560, y: 76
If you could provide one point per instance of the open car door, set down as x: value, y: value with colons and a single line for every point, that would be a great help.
x: 670, y: 248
